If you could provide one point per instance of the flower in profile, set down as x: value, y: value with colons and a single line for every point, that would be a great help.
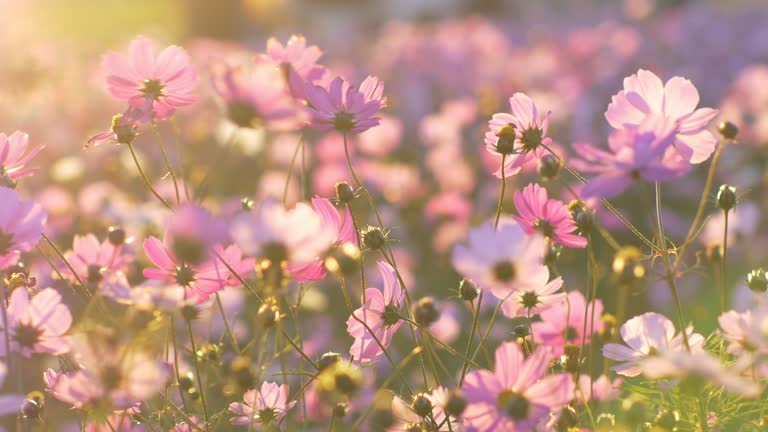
x: 37, y: 324
x: 159, y: 82
x: 549, y: 217
x: 296, y: 60
x: 124, y: 129
x: 21, y: 223
x: 344, y: 108
x: 255, y: 97
x: 564, y: 323
x: 91, y: 260
x: 296, y: 237
x: 645, y: 95
x: 642, y: 152
x: 14, y: 157
x: 518, y: 395
x: 425, y: 412
x: 265, y: 406
x: 505, y: 262
x: 374, y: 323
x: 648, y: 335
x: 517, y: 137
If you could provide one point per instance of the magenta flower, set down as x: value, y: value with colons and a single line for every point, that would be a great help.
x: 265, y: 406
x: 549, y: 217
x: 91, y: 260
x: 125, y: 127
x: 159, y: 82
x: 345, y: 233
x: 645, y: 336
x: 13, y: 160
x: 21, y: 223
x: 199, y: 280
x: 256, y: 97
x: 644, y: 95
x: 564, y: 324
x: 343, y: 108
x: 518, y: 134
x: 37, y: 324
x: 518, y: 395
x: 380, y: 316
x: 642, y: 152
x: 505, y: 262
x: 297, y: 60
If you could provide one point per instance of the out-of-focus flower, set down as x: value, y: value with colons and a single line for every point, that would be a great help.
x: 549, y: 217
x: 604, y: 389
x: 37, y: 324
x: 265, y: 406
x: 13, y: 160
x: 160, y: 82
x: 192, y: 232
x: 565, y: 322
x: 378, y: 318
x: 124, y: 129
x: 344, y: 108
x: 187, y: 427
x: 742, y: 224
x: 296, y: 60
x: 91, y: 259
x: 517, y: 137
x: 21, y: 223
x: 406, y: 415
x: 648, y: 335
x: 518, y: 395
x: 645, y: 95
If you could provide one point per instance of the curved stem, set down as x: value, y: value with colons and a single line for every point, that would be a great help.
x: 475, y: 315
x: 168, y: 164
x: 501, y: 193
x: 724, y: 294
x: 197, y: 373
x: 144, y: 177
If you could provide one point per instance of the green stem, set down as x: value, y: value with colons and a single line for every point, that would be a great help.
x: 197, y: 373
x: 167, y: 163
x: 475, y: 315
x: 144, y: 177
x: 501, y: 193
x: 724, y: 295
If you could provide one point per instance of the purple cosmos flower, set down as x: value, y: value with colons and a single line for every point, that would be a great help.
x: 344, y: 108
x: 37, y: 324
x: 549, y: 217
x: 21, y: 223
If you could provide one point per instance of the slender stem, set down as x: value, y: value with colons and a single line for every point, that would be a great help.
x: 475, y: 315
x: 197, y: 373
x: 724, y: 298
x: 592, y: 320
x: 501, y: 193
x: 66, y: 262
x: 167, y: 163
x: 299, y: 146
x: 670, y: 276
x: 144, y: 177
x: 360, y: 248
x: 226, y: 324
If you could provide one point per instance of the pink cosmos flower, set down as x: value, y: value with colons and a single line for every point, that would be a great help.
x: 550, y: 217
x: 199, y: 280
x: 343, y: 108
x: 407, y: 418
x: 645, y: 95
x: 297, y: 60
x: 647, y: 335
x: 518, y: 134
x: 299, y: 236
x: 505, y: 262
x: 345, y: 233
x: 564, y: 323
x: 265, y: 406
x: 21, y: 223
x: 13, y: 161
x: 604, y: 389
x: 91, y: 260
x: 380, y: 316
x: 37, y: 324
x: 641, y: 152
x: 255, y: 97
x: 125, y: 127
x: 735, y: 328
x: 192, y: 232
x: 518, y: 395
x: 160, y: 82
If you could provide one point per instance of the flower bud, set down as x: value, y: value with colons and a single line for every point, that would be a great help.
x: 116, y: 236
x: 347, y: 380
x: 549, y: 167
x: 247, y: 204
x: 186, y: 382
x: 667, y: 419
x: 421, y: 405
x: 373, y: 237
x: 726, y: 197
x: 582, y: 215
x: 328, y: 359
x: 344, y: 192
x: 568, y: 418
x: 455, y: 403
x: 339, y: 410
x: 242, y: 371
x: 33, y: 406
x: 627, y: 264
x: 468, y: 290
x: 269, y: 313
x: 728, y: 130
x: 425, y: 312
x: 190, y: 312
x: 343, y: 259
x: 757, y: 280
x: 506, y: 142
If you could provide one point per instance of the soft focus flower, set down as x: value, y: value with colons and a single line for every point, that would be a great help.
x: 265, y: 406
x: 125, y: 127
x: 378, y: 318
x: 343, y: 108
x: 518, y: 135
x: 91, y: 260
x: 565, y: 322
x: 187, y: 427
x: 645, y: 336
x: 37, y: 324
x: 604, y: 389
x: 549, y: 217
x: 406, y: 416
x: 13, y: 160
x: 518, y: 395
x: 145, y: 78
x: 296, y: 60
x: 645, y: 95
x: 192, y: 232
x: 21, y: 223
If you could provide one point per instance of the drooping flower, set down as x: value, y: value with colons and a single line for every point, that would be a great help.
x: 642, y: 152
x: 375, y: 322
x: 549, y: 217
x: 517, y: 137
x: 37, y: 324
x: 645, y: 336
x: 344, y: 108
x: 21, y: 223
x: 159, y: 82
x: 564, y: 323
x: 296, y: 60
x: 518, y: 395
x: 13, y: 160
x: 91, y: 260
x: 265, y: 406
x: 645, y: 95
x: 255, y: 97
x: 504, y: 262
x: 407, y: 417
